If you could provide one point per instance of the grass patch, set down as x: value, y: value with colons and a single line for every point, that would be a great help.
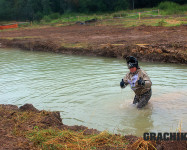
x: 128, y: 18
x: 24, y: 37
x: 77, y: 45
x: 67, y: 139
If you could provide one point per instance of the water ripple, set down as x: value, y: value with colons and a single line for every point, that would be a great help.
x: 86, y: 90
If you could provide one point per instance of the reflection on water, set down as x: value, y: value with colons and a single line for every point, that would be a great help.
x: 86, y: 91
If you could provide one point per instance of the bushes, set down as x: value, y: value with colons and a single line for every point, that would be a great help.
x: 170, y: 8
x: 168, y: 5
x: 54, y: 16
x: 51, y: 17
x: 116, y: 15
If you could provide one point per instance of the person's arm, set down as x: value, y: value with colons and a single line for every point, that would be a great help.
x: 124, y: 82
x: 145, y: 80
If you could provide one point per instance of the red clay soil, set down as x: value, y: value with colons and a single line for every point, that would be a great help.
x: 147, y: 43
x: 13, y: 124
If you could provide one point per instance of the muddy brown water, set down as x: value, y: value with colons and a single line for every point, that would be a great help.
x: 86, y: 91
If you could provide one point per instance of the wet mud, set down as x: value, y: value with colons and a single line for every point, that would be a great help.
x: 147, y: 43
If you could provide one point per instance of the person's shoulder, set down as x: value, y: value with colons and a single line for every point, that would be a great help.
x: 128, y: 74
x: 141, y: 71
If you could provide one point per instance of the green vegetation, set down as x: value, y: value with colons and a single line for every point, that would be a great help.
x: 32, y: 10
x: 146, y: 16
x: 125, y: 18
x: 162, y: 15
x: 170, y: 8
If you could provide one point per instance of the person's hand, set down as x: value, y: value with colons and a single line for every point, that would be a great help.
x: 141, y: 82
x: 122, y: 83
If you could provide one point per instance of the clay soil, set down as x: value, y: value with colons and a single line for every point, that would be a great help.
x: 147, y: 43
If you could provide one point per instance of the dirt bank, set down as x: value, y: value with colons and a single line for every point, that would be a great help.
x: 16, y: 123
x: 154, y: 44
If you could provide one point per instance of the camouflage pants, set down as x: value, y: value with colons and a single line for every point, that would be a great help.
x: 143, y: 99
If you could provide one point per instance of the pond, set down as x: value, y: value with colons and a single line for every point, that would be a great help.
x: 86, y: 91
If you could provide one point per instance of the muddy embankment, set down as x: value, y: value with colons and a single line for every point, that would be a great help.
x: 16, y: 123
x: 147, y: 43
x: 167, y: 53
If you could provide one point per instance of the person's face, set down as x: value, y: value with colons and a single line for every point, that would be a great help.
x: 132, y: 70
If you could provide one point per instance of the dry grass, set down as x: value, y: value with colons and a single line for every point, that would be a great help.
x: 29, y: 124
x: 67, y: 139
x: 29, y: 127
x: 141, y: 144
x: 77, y: 45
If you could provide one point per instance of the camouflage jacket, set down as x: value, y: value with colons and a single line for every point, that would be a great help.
x: 132, y: 79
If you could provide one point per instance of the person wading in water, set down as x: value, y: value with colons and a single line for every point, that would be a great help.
x: 139, y: 81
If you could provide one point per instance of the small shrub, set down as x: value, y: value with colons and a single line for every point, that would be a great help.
x: 161, y: 23
x: 46, y: 19
x: 119, y: 15
x: 54, y: 16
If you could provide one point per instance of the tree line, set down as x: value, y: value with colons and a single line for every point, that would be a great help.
x: 37, y: 9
